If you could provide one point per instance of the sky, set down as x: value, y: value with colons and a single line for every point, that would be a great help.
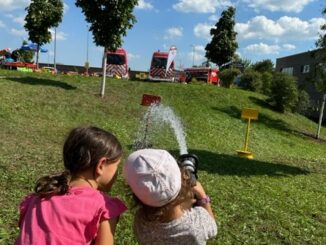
x: 267, y: 29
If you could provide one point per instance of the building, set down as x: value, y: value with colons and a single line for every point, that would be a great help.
x: 302, y: 66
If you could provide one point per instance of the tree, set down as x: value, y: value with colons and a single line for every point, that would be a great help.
x: 26, y: 55
x: 320, y: 78
x: 263, y: 66
x: 41, y: 16
x: 223, y: 45
x: 109, y: 21
x: 228, y: 76
x: 284, y: 92
x: 251, y: 80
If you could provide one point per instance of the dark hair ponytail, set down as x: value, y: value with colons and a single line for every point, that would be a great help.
x: 53, y: 184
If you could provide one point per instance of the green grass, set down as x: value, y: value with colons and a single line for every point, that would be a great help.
x: 277, y: 198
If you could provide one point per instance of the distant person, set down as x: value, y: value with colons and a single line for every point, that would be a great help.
x: 166, y: 213
x: 70, y: 208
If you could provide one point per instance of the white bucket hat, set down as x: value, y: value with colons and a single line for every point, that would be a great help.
x: 153, y: 176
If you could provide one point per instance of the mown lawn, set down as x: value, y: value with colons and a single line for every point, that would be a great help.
x: 277, y: 198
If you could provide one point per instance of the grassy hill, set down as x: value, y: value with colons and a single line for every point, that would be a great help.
x: 277, y: 198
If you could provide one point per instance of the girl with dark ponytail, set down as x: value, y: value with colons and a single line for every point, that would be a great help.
x: 70, y: 208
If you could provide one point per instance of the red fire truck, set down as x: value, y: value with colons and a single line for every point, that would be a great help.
x: 117, y: 64
x: 207, y: 74
x: 158, y: 71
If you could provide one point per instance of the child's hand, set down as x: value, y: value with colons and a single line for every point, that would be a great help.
x: 199, y: 190
x: 200, y: 195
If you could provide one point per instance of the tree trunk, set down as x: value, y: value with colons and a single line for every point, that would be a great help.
x: 321, y: 116
x: 104, y: 73
x: 37, y: 55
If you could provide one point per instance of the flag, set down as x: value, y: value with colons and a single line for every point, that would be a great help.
x: 171, y: 57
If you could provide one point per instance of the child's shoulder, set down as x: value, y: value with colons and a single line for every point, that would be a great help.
x: 110, y: 206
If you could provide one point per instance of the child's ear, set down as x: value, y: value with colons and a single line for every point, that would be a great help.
x: 100, y: 165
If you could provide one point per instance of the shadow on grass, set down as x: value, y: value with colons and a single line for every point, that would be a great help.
x: 235, y: 112
x: 261, y: 103
x: 233, y: 165
x: 41, y: 81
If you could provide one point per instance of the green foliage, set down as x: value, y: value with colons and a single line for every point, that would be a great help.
x: 321, y: 42
x: 284, y: 92
x: 266, y: 78
x: 320, y: 77
x: 320, y: 74
x: 109, y: 20
x: 263, y: 66
x: 228, y: 76
x: 223, y: 45
x: 303, y: 102
x: 276, y: 198
x: 251, y: 80
x: 246, y: 63
x: 41, y: 16
x: 26, y: 55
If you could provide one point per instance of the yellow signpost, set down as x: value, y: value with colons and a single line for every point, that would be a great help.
x: 250, y: 114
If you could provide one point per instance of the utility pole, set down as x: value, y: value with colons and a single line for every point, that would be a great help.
x: 321, y: 116
x: 193, y: 55
x: 87, y: 63
x: 55, y: 49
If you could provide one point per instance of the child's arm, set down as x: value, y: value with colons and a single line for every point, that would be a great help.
x: 201, y: 195
x: 105, y: 234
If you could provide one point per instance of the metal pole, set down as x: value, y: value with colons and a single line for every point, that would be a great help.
x: 87, y: 45
x: 104, y: 73
x: 55, y: 49
x: 193, y: 55
x: 87, y: 63
x: 247, y: 136
x: 321, y: 116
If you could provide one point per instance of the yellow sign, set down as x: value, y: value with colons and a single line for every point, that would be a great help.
x: 249, y: 113
x: 141, y: 76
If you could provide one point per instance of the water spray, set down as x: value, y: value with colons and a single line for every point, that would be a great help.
x: 158, y: 113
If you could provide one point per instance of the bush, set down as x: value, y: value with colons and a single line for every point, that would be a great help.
x: 251, y: 80
x: 266, y: 78
x: 228, y: 76
x: 303, y: 102
x: 263, y: 66
x: 284, y: 92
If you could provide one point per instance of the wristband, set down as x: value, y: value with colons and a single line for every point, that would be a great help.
x: 204, y: 200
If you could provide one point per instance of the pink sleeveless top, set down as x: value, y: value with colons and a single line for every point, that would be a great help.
x: 72, y: 218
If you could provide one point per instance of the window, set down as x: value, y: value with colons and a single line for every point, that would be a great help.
x: 306, y: 69
x: 287, y: 70
x: 116, y: 59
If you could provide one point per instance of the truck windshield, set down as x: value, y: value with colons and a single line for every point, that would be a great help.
x: 158, y: 62
x: 116, y: 59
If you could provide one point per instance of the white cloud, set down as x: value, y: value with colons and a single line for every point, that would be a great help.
x: 65, y: 8
x: 173, y: 32
x: 200, y: 6
x: 197, y: 55
x: 133, y: 56
x: 262, y: 48
x: 18, y: 33
x: 9, y: 5
x: 213, y: 18
x: 2, y: 24
x: 288, y: 46
x: 203, y: 30
x: 61, y: 36
x: 19, y: 19
x: 279, y: 5
x: 285, y: 28
x: 142, y: 4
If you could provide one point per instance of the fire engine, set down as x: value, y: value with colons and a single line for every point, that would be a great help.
x: 207, y: 74
x: 158, y: 71
x: 117, y: 64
